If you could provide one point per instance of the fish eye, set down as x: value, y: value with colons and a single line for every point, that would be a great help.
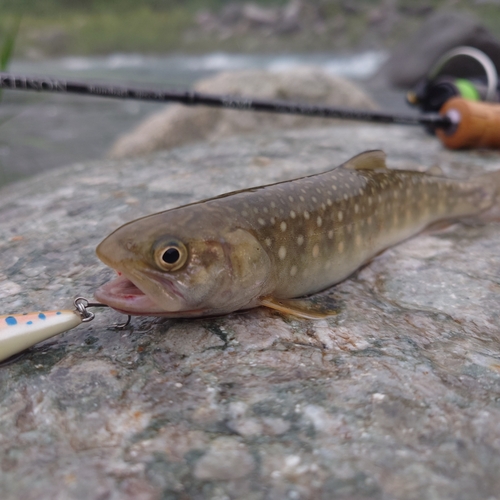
x: 171, y: 256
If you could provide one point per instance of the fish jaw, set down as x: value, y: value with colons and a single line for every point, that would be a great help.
x: 123, y: 295
x: 126, y: 294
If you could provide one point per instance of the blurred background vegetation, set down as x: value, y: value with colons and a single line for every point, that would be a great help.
x: 52, y: 28
x: 170, y: 43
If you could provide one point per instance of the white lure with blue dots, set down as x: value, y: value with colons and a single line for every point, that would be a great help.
x: 20, y: 331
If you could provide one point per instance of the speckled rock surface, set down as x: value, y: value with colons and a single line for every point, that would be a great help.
x: 178, y: 124
x: 397, y: 397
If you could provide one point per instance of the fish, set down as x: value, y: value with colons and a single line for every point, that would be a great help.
x: 279, y: 245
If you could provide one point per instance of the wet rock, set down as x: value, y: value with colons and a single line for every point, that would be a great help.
x: 441, y: 32
x: 396, y: 397
x: 178, y: 124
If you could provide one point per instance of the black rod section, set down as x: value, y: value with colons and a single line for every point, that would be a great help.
x: 50, y: 84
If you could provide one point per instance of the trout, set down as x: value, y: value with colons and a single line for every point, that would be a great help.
x: 275, y: 245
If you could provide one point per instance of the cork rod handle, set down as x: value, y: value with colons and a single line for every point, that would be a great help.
x: 477, y: 124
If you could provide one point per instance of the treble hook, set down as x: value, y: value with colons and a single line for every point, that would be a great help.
x: 82, y: 304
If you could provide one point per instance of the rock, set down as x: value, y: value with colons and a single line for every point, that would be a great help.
x: 422, y: 9
x: 237, y: 18
x: 396, y: 397
x: 231, y: 13
x: 226, y: 458
x: 178, y: 124
x: 259, y: 15
x: 442, y: 31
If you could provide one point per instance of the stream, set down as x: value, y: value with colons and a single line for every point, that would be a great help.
x: 42, y: 131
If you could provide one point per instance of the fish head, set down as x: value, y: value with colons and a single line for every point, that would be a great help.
x: 183, y: 264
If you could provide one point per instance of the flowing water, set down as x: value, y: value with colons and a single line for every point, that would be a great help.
x: 42, y: 131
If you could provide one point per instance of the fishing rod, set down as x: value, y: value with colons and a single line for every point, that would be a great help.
x: 459, y: 124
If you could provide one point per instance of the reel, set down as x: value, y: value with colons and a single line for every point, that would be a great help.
x: 464, y: 72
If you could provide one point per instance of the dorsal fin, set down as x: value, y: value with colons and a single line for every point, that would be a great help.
x: 369, y: 160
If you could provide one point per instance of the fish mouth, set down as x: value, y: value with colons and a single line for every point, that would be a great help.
x: 125, y: 296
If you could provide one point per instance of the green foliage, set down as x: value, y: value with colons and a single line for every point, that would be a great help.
x: 54, y: 28
x: 48, y: 7
x: 7, y: 50
x: 138, y: 30
x: 8, y: 43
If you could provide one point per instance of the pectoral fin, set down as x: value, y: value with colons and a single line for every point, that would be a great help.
x: 314, y: 307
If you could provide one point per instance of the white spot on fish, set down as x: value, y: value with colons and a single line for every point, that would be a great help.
x: 314, y: 199
x: 261, y: 221
x: 306, y: 215
x: 293, y: 270
x: 268, y: 242
x: 319, y: 221
x: 356, y: 208
x: 282, y: 253
x: 300, y: 240
x: 290, y: 198
x: 283, y: 226
x: 340, y: 247
x: 334, y: 187
x: 330, y: 234
x: 244, y: 213
x: 346, y: 197
x: 329, y: 202
x: 273, y: 220
x: 273, y: 205
x: 340, y: 215
x: 301, y: 198
x: 315, y: 250
x: 292, y: 214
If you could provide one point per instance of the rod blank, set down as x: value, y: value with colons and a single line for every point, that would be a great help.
x: 189, y: 98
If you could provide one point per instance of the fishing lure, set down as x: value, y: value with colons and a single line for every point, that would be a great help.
x: 21, y: 331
